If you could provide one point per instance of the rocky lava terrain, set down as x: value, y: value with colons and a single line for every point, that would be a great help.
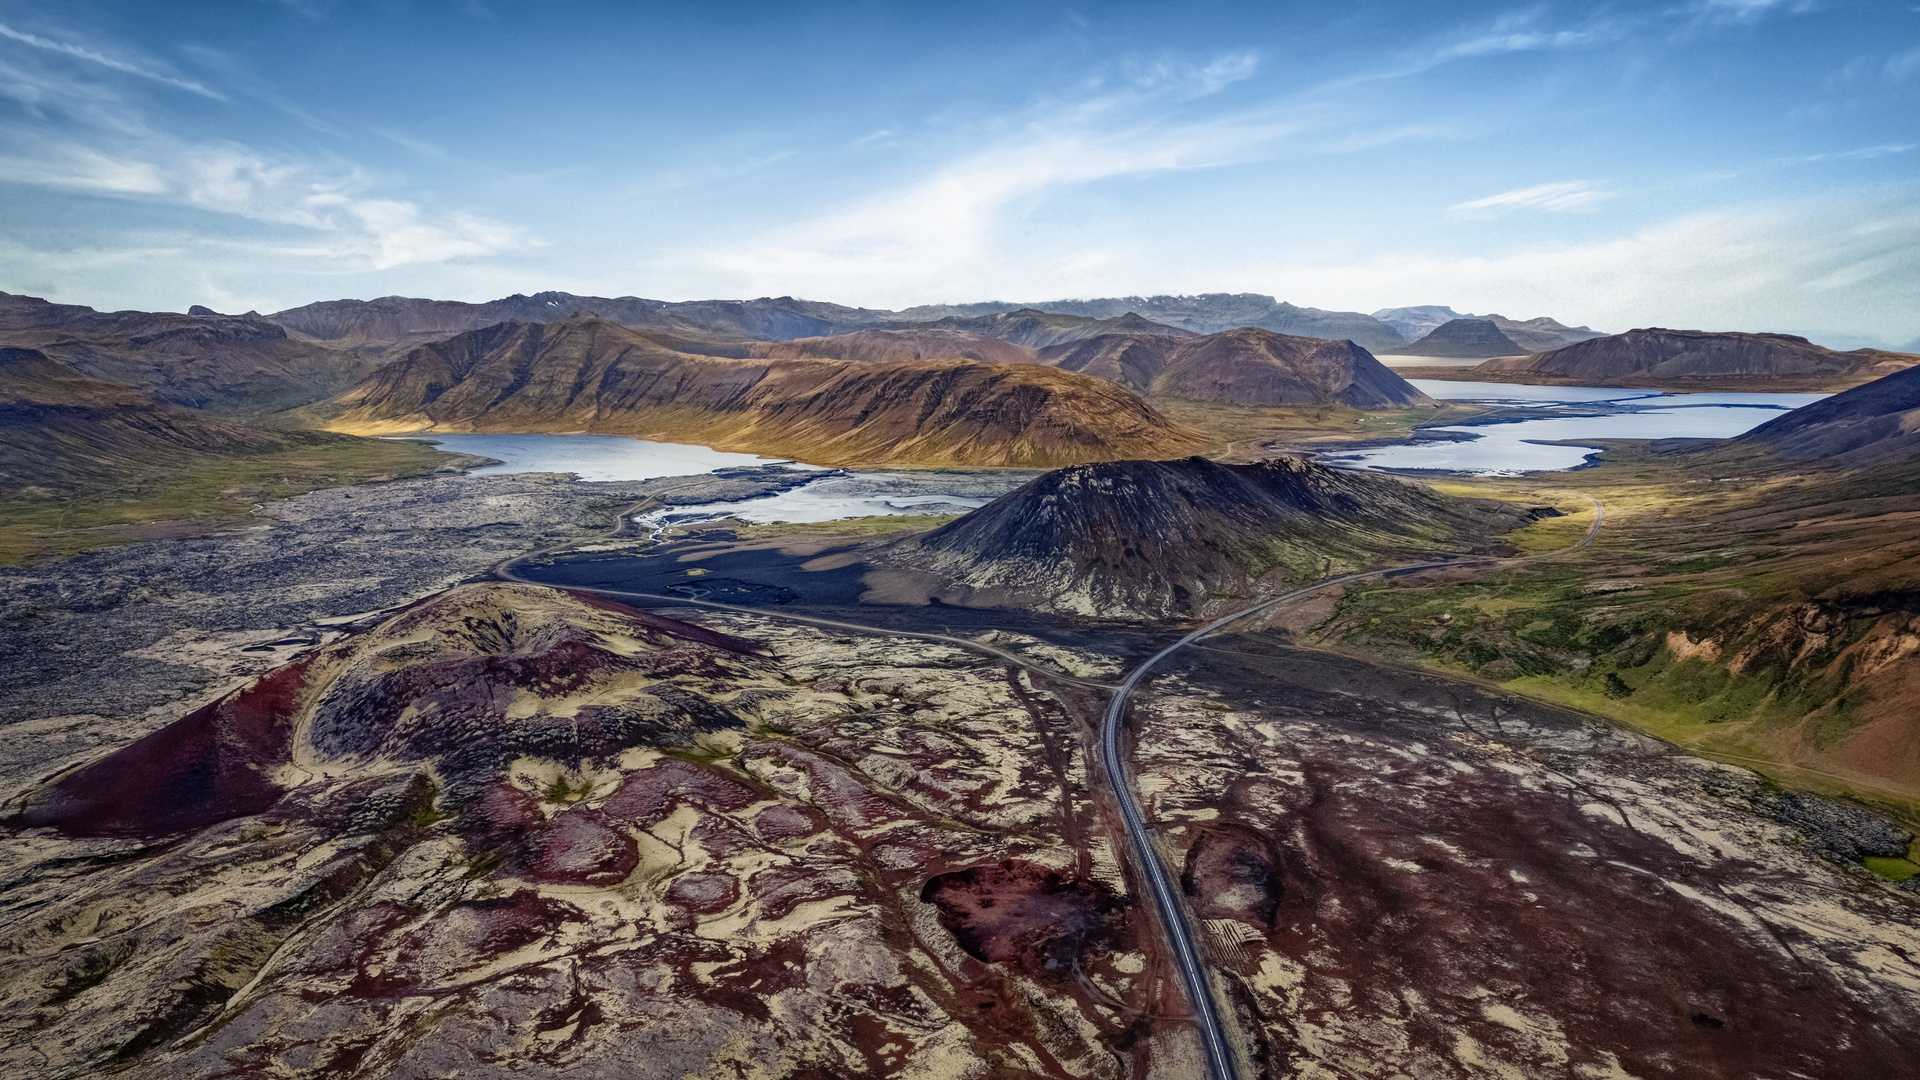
x: 513, y: 828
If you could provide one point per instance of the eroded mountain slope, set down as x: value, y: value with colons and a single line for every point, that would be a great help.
x: 589, y: 375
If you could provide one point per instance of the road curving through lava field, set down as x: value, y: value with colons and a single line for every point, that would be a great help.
x: 1222, y: 1063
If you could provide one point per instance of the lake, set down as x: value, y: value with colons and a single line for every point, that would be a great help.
x: 1513, y: 447
x: 836, y: 494
x: 593, y: 457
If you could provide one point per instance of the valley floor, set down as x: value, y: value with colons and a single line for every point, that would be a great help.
x: 1395, y: 872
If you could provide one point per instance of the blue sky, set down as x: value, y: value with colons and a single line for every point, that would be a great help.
x: 1715, y: 164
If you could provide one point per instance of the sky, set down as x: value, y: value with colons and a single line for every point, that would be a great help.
x: 1704, y: 164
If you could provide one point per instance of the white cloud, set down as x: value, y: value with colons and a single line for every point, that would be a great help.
x: 356, y: 225
x: 1557, y: 197
x: 1844, y: 270
x: 94, y: 56
x: 927, y: 229
x: 1747, y: 11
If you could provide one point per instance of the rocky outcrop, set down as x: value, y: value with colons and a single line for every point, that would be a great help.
x: 1240, y: 367
x: 1680, y: 356
x: 590, y: 375
x: 1160, y: 539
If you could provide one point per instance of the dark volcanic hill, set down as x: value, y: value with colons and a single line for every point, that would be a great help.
x: 205, y: 360
x: 1240, y: 367
x: 62, y: 433
x: 1159, y: 539
x: 1464, y: 337
x: 1871, y: 424
x: 589, y: 375
x: 1208, y: 313
x: 1659, y: 355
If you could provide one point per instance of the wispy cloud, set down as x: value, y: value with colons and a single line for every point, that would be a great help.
x: 1863, y: 153
x: 94, y: 56
x: 1557, y: 197
x: 1838, y: 270
x: 77, y: 134
x: 929, y: 226
x: 361, y: 226
x: 1746, y: 11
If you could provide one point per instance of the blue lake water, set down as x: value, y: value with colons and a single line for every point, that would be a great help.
x: 1515, y: 447
x: 592, y: 457
x: 835, y: 495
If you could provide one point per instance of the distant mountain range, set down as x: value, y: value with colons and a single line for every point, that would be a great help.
x: 1464, y: 338
x: 222, y: 363
x: 1206, y: 313
x: 1417, y: 324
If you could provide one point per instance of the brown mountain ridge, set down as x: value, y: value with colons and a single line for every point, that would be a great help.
x: 589, y: 375
x: 1685, y: 359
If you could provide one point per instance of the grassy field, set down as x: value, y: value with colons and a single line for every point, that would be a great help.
x: 197, y: 496
x: 1748, y: 612
x: 1241, y: 429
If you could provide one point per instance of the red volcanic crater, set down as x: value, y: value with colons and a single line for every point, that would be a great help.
x: 1020, y: 913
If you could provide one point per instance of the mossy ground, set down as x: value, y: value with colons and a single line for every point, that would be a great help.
x: 198, y: 496
x: 1725, y: 608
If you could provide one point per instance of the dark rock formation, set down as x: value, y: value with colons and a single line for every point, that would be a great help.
x: 1172, y: 538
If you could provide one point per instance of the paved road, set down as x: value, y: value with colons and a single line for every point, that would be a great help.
x: 1221, y: 1061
